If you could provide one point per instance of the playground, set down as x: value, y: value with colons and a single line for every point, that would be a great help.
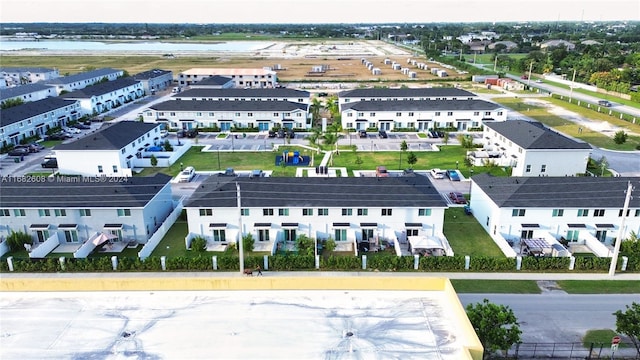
x: 292, y: 158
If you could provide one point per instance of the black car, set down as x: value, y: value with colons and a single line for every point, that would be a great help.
x: 81, y: 126
x: 362, y: 133
x: 272, y: 134
x: 50, y: 163
x: 18, y: 151
x: 383, y: 134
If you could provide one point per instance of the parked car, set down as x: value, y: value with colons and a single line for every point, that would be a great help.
x: 230, y: 172
x: 87, y: 122
x: 453, y: 175
x: 81, y: 126
x: 187, y: 174
x: 164, y: 133
x: 362, y: 133
x: 18, y: 151
x: 32, y: 148
x: 50, y: 163
x: 72, y: 130
x: 37, y: 147
x: 604, y: 103
x: 383, y: 134
x: 323, y: 94
x: 59, y: 136
x: 381, y: 171
x: 437, y: 173
x: 256, y: 173
x: 272, y: 134
x: 457, y: 198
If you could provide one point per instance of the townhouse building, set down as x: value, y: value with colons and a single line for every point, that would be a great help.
x: 154, y: 80
x: 15, y: 76
x: 226, y: 115
x: 531, y: 149
x: 71, y: 210
x: 35, y: 118
x: 28, y: 92
x: 242, y: 77
x: 348, y: 210
x: 421, y: 115
x: 110, y: 151
x: 581, y: 210
x: 235, y: 94
x: 214, y: 82
x: 386, y: 94
x: 107, y: 95
x: 84, y: 79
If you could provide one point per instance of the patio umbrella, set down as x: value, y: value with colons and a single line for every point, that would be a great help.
x: 102, y: 238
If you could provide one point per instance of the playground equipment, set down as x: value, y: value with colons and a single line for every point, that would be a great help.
x: 292, y: 157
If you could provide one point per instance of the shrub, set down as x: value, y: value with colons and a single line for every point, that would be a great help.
x: 16, y: 240
x: 198, y: 244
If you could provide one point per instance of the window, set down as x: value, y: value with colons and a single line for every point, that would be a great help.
x: 386, y: 212
x: 85, y: 212
x: 4, y: 212
x: 267, y: 212
x: 347, y: 212
x: 622, y: 210
x: 399, y: 114
x: 543, y: 168
x: 100, y: 169
x: 60, y: 212
x: 19, y: 212
x: 206, y: 212
x: 309, y: 212
x: 219, y: 235
x: 411, y: 114
x: 283, y: 212
x: 71, y: 235
x: 583, y: 212
x: 487, y: 113
x: 437, y: 113
x: 449, y: 113
x: 289, y: 234
x: 360, y: 114
x: 476, y: 113
x: 124, y: 212
x: 244, y: 212
x: 572, y: 235
x: 598, y: 212
x: 424, y: 212
x: 518, y: 212
x: 263, y: 234
x: 323, y: 212
x: 372, y: 114
x: 340, y: 234
x: 528, y: 169
x: 637, y: 213
x: 363, y: 212
x: 557, y: 212
x: 115, y: 168
x: 44, y: 212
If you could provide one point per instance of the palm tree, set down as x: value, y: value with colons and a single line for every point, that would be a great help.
x: 313, y: 137
x: 332, y: 106
x: 314, y: 109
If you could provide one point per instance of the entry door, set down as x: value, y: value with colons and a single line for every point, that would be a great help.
x: 225, y: 125
x: 526, y: 234
x: 289, y: 234
x: 42, y: 235
x: 601, y: 235
x: 263, y: 126
x: 367, y: 234
x: 263, y: 235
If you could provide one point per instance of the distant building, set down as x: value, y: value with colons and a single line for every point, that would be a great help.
x: 590, y: 42
x: 235, y: 94
x: 84, y: 79
x: 28, y: 92
x: 107, y: 95
x: 154, y: 80
x: 242, y: 77
x: 558, y: 43
x: 15, y: 76
x: 509, y: 45
x: 214, y: 82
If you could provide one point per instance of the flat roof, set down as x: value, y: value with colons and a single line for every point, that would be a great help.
x: 228, y: 71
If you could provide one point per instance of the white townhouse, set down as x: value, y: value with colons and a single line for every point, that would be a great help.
x: 242, y: 77
x: 235, y: 94
x: 421, y: 114
x: 71, y: 210
x: 15, y: 76
x: 585, y: 210
x: 154, y: 80
x: 104, y: 96
x: 35, y: 118
x: 264, y: 115
x: 26, y: 93
x: 531, y: 149
x: 349, y: 210
x: 386, y: 94
x: 82, y: 80
x: 214, y: 82
x: 110, y: 151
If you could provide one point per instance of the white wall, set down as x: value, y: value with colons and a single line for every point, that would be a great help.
x: 85, y: 163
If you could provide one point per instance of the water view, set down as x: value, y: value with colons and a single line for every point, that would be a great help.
x: 67, y: 45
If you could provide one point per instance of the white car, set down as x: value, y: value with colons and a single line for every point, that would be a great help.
x: 187, y: 174
x: 72, y: 130
x: 437, y: 173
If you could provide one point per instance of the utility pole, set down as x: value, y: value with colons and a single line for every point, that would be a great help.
x: 495, y: 63
x: 616, y: 249
x: 240, y: 243
x: 529, y: 77
x: 573, y: 81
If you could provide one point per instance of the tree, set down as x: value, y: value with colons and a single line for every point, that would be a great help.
x: 496, y: 325
x: 167, y: 146
x: 620, y: 137
x: 403, y: 148
x: 466, y: 141
x: 153, y: 160
x: 411, y: 159
x: 628, y: 323
x: 247, y: 243
x: 332, y: 106
x: 445, y: 138
x: 305, y: 245
x: 198, y: 244
x: 314, y: 109
x: 17, y: 239
x: 11, y: 102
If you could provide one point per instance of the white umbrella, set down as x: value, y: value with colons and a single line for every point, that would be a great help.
x: 102, y: 238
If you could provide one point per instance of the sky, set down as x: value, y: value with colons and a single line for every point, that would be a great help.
x: 315, y: 11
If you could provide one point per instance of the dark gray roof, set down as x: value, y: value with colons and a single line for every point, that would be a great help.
x: 30, y: 109
x: 110, y: 136
x: 274, y: 93
x: 26, y: 69
x: 410, y: 191
x: 222, y: 105
x: 214, y: 80
x: 407, y: 92
x: 421, y: 105
x: 101, y: 88
x: 8, y: 93
x: 530, y: 135
x: 557, y: 192
x: 150, y: 74
x: 83, y: 76
x: 130, y: 193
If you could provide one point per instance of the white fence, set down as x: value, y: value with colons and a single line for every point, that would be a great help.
x: 165, y: 158
x: 504, y: 246
x: 155, y: 239
x: 46, y: 247
x: 4, y: 247
x: 598, y: 248
x: 86, y: 248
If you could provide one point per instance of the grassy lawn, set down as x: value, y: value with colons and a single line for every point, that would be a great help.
x: 599, y: 336
x: 495, y: 286
x: 50, y: 143
x: 466, y: 236
x: 600, y: 286
x: 172, y: 244
x: 569, y: 127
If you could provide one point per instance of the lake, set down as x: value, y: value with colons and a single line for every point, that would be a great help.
x: 134, y: 46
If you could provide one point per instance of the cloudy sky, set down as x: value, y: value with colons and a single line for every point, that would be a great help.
x: 315, y: 11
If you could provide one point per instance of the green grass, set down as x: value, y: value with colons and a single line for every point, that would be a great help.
x: 600, y: 286
x: 463, y: 286
x: 172, y: 244
x: 466, y: 236
x: 50, y: 143
x: 569, y: 127
x: 599, y: 336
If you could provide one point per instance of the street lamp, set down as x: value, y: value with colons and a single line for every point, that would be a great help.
x: 218, y: 157
x: 371, y: 145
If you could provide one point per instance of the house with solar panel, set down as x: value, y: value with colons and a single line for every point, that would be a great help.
x: 360, y: 214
